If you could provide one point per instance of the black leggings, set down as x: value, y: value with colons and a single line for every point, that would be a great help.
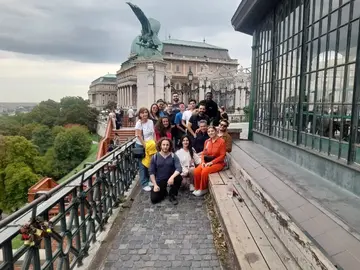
x: 156, y: 197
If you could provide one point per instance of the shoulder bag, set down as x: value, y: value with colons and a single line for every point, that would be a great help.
x: 139, y: 152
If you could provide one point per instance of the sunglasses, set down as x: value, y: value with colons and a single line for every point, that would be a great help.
x: 224, y: 125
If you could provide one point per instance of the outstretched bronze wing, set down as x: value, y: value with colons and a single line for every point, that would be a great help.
x: 146, y: 27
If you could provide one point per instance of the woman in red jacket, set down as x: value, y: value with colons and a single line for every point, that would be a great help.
x: 212, y: 160
x: 163, y: 128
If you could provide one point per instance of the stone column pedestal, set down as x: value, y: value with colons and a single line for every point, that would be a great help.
x: 150, y: 81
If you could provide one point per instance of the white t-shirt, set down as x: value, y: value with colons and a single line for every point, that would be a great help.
x: 147, y: 130
x: 186, y: 161
x: 186, y: 116
x: 131, y: 113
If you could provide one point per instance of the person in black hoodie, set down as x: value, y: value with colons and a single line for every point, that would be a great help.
x: 212, y: 109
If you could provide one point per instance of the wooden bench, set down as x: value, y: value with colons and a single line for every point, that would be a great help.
x: 253, y: 244
x: 261, y: 235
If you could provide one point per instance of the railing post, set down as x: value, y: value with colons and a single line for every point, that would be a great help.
x: 254, y: 85
x: 8, y: 255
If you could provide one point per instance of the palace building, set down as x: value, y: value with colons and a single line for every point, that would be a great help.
x: 180, y: 57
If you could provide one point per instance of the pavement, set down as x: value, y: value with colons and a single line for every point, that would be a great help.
x: 164, y: 236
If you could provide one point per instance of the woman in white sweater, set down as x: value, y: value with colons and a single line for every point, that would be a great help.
x: 188, y: 160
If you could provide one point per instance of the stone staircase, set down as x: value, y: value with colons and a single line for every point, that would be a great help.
x: 124, y: 134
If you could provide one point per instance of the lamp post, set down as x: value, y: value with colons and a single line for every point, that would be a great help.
x: 190, y: 80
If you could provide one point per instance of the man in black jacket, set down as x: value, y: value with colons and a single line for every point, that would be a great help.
x: 212, y: 109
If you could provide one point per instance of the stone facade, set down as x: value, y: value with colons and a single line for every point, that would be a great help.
x: 102, y: 91
x: 179, y: 57
x: 212, y: 68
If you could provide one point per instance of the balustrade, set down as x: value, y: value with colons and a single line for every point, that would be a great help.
x: 83, y: 206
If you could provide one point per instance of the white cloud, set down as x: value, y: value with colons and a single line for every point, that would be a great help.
x: 50, y: 49
x: 33, y: 79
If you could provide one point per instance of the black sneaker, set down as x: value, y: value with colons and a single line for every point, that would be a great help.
x: 173, y: 199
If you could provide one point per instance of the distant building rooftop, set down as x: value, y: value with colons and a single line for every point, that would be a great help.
x: 192, y: 44
x: 178, y: 47
x: 107, y: 78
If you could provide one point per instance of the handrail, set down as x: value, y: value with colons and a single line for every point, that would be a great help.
x: 84, y: 203
x: 48, y: 194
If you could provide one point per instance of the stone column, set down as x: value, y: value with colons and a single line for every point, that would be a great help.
x: 168, y: 89
x: 201, y: 89
x: 122, y: 96
x: 131, y: 95
x: 237, y: 96
x: 126, y: 95
x: 243, y: 98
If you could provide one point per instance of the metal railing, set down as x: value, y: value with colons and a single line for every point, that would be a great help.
x: 78, y: 209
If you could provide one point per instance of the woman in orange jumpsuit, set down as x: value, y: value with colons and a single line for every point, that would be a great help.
x: 212, y: 160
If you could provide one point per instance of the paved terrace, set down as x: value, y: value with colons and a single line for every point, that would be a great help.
x: 163, y: 236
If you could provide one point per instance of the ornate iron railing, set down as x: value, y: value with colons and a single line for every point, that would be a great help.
x: 78, y: 209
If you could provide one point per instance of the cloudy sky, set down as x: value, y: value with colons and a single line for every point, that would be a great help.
x: 51, y: 49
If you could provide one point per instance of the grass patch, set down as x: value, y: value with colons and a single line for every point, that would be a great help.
x: 17, y: 242
x: 95, y: 137
x: 90, y: 158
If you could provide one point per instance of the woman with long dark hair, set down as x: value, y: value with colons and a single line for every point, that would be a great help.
x: 144, y: 131
x: 212, y: 160
x: 163, y: 128
x: 154, y: 113
x: 189, y: 159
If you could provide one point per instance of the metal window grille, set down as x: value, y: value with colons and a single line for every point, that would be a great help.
x: 307, y: 76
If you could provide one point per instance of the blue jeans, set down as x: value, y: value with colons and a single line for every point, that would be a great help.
x: 143, y: 171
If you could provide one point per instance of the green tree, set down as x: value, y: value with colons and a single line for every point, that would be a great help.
x: 56, y: 130
x: 71, y: 148
x: 42, y: 137
x: 18, y: 149
x: 19, y: 178
x: 111, y: 105
x: 17, y: 158
x: 9, y: 126
x: 45, y: 113
x: 76, y: 110
x: 27, y: 130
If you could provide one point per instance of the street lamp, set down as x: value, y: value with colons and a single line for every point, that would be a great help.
x: 190, y: 79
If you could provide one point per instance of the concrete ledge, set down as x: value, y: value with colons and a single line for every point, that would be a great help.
x: 299, y: 246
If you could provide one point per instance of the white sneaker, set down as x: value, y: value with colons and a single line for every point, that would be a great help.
x: 201, y: 192
x: 151, y: 184
x: 196, y: 192
x: 147, y: 188
x: 191, y: 188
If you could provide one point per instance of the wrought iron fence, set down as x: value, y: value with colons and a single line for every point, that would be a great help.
x: 77, y: 210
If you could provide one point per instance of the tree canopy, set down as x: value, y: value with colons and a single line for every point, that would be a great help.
x: 47, y: 141
x: 17, y: 160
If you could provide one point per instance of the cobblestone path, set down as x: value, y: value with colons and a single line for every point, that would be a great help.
x: 164, y: 236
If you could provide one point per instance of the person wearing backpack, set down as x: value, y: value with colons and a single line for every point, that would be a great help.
x: 165, y: 170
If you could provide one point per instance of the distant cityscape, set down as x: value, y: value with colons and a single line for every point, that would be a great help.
x: 11, y: 108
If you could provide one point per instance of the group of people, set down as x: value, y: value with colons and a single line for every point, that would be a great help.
x: 181, y: 147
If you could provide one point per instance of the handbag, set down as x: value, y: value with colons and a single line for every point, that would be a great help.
x: 208, y: 158
x: 139, y: 152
